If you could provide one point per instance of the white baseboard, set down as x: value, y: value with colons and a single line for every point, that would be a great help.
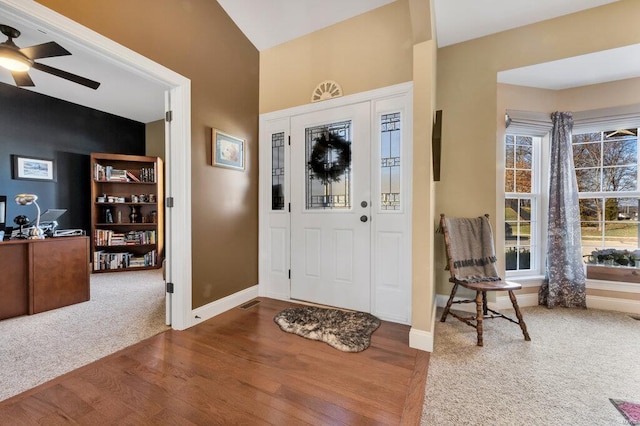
x: 421, y: 339
x: 217, y: 307
x: 614, y: 304
x: 531, y: 299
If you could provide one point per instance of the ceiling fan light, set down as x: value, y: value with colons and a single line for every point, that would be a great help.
x: 13, y: 60
x: 14, y: 64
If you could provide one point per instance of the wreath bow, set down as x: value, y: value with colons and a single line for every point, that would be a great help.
x: 320, y: 164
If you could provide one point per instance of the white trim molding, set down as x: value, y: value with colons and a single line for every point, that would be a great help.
x: 220, y: 306
x: 531, y: 299
x: 422, y: 339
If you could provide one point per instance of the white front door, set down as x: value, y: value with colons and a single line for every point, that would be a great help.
x: 331, y: 207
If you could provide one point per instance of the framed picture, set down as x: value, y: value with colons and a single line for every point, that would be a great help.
x: 227, y: 151
x: 33, y: 168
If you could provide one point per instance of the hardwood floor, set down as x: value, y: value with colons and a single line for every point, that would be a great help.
x: 237, y: 368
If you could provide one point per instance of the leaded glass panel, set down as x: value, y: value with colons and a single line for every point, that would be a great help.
x: 390, y: 144
x: 328, y: 173
x: 277, y: 171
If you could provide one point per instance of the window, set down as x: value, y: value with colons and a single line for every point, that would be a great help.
x: 606, y: 165
x: 522, y: 203
x: 277, y: 171
x: 390, y: 148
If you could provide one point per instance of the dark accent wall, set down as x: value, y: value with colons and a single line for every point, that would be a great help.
x: 40, y: 126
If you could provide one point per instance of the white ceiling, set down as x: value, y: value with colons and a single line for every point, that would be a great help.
x: 121, y: 92
x: 461, y: 20
x: 600, y: 67
x: 267, y: 23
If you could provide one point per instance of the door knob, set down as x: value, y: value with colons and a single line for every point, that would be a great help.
x: 363, y: 218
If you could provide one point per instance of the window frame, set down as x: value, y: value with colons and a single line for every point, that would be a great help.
x: 539, y: 202
x: 604, y: 195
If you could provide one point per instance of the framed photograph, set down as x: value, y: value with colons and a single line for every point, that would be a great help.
x: 33, y: 168
x: 227, y: 151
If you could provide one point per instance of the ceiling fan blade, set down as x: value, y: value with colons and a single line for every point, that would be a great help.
x: 44, y: 50
x: 22, y: 79
x: 67, y: 75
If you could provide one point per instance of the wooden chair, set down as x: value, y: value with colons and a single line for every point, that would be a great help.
x: 481, y: 288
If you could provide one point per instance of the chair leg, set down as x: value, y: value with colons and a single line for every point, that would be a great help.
x: 449, y: 303
x: 523, y: 326
x: 479, y: 316
x: 484, y: 303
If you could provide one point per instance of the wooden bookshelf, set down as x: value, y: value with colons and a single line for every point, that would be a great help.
x: 127, y: 212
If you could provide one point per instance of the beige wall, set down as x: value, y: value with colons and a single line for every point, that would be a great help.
x: 467, y: 94
x: 366, y: 52
x: 198, y: 40
x: 423, y: 227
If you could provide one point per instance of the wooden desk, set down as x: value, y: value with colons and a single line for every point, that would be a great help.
x: 40, y: 275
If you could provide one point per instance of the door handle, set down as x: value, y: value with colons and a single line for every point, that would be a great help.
x: 364, y: 218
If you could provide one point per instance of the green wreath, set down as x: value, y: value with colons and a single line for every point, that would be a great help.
x: 319, y: 163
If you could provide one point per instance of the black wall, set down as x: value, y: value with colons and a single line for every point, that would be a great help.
x: 40, y: 126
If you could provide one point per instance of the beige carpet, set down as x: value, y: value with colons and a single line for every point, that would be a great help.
x: 125, y: 308
x: 576, y: 361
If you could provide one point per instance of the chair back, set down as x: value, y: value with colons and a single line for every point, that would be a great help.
x: 474, y: 252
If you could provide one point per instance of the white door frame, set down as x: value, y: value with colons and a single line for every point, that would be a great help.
x: 391, y: 290
x: 177, y: 148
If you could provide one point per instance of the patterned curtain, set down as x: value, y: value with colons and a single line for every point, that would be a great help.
x: 565, y: 283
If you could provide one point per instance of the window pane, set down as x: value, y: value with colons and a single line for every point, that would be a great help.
x: 523, y: 157
x: 524, y: 140
x: 508, y: 157
x: 587, y: 137
x: 390, y: 161
x: 277, y: 171
x: 590, y: 209
x: 586, y: 155
x: 328, y: 175
x: 620, y: 152
x: 511, y: 209
x: 509, y: 139
x: 620, y: 178
x: 519, y: 224
x: 524, y: 258
x: 623, y: 234
x: 511, y: 232
x: 621, y: 134
x: 588, y: 180
x: 525, y: 209
x: 628, y: 208
x: 523, y: 181
x: 509, y: 181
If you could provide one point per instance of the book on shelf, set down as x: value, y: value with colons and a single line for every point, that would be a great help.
x: 107, y: 237
x: 132, y: 177
x: 118, y: 175
x: 109, y: 174
x: 147, y: 174
x: 104, y: 260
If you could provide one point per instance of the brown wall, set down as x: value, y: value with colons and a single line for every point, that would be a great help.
x: 197, y: 39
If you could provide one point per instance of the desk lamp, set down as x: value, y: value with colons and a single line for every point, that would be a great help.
x: 25, y: 200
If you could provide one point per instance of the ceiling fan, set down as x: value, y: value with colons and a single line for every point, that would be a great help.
x: 19, y: 61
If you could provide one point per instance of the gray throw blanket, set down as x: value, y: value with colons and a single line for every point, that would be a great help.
x: 471, y: 247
